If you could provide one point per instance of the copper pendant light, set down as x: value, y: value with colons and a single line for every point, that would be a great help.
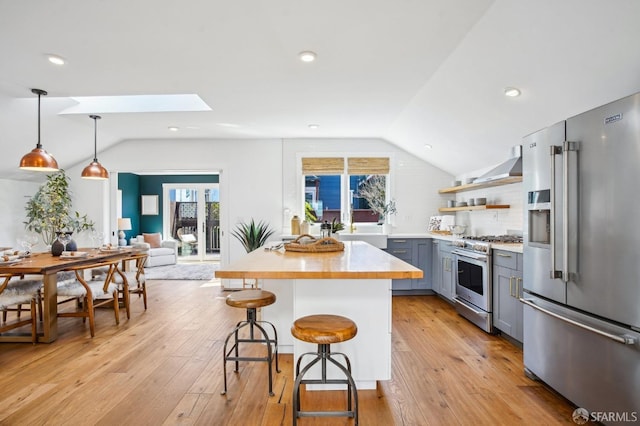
x: 95, y: 170
x: 39, y: 159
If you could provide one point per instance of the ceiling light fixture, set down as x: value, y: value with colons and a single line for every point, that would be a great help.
x: 314, y: 126
x: 56, y: 60
x: 428, y: 146
x: 39, y: 159
x: 307, y: 56
x: 512, y: 92
x: 95, y: 170
x: 173, y: 128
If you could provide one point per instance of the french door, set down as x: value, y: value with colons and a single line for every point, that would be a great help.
x: 191, y: 214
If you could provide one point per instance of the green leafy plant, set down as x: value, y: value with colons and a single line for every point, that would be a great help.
x: 309, y: 213
x: 252, y: 235
x: 336, y: 226
x: 49, y: 210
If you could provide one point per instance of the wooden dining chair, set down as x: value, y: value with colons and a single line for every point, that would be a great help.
x: 129, y: 282
x: 13, y: 294
x: 90, y: 294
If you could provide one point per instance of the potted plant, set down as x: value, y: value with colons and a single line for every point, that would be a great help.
x: 49, y: 211
x: 252, y: 235
x: 336, y: 226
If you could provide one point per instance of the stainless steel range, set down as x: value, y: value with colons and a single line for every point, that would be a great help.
x: 474, y: 298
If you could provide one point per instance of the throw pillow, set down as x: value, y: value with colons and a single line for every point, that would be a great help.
x: 153, y: 239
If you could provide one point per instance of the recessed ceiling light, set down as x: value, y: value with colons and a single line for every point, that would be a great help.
x: 427, y: 146
x: 314, y: 126
x: 307, y: 56
x: 57, y: 60
x: 512, y: 92
x: 173, y: 128
x: 231, y: 125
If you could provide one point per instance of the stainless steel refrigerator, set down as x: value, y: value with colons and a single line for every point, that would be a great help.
x: 581, y: 180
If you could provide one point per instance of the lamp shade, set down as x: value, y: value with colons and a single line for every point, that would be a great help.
x: 95, y: 170
x: 38, y: 159
x: 124, y: 224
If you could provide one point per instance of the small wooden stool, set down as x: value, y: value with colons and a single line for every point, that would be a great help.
x: 324, y: 330
x: 251, y: 300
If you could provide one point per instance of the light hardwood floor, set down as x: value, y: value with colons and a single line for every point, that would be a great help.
x: 164, y: 366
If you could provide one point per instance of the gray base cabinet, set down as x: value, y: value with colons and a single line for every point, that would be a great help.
x: 417, y: 252
x: 507, y: 290
x: 442, y: 275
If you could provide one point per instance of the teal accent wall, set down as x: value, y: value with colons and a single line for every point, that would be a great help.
x: 134, y: 186
x: 129, y: 184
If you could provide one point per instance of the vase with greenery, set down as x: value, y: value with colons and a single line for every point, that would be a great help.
x: 252, y: 235
x: 373, y: 190
x: 49, y: 210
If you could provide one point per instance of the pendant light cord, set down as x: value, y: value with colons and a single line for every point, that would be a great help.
x: 95, y: 137
x: 39, y: 145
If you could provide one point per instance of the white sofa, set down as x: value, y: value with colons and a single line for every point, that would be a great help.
x: 165, y: 254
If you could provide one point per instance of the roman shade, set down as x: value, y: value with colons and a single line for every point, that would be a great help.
x: 323, y: 166
x: 368, y: 165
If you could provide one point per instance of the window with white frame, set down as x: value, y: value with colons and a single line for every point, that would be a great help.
x: 333, y: 191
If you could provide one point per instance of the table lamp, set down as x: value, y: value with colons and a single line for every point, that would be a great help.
x: 124, y: 224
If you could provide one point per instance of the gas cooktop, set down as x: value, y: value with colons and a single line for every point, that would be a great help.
x: 504, y: 239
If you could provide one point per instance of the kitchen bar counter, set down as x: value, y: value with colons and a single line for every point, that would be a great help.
x: 355, y: 283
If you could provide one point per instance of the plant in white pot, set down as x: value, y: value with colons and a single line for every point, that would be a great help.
x: 49, y: 212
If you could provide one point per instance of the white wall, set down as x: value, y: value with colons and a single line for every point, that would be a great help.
x: 14, y: 194
x: 250, y: 177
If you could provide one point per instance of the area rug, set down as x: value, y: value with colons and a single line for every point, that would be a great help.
x: 182, y: 271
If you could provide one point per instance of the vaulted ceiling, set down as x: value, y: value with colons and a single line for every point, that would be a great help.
x: 414, y: 72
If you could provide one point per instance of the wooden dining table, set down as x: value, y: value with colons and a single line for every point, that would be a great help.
x: 47, y: 265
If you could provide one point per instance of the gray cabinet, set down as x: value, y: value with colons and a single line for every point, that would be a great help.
x: 436, y: 272
x: 507, y: 290
x: 417, y: 252
x: 446, y: 265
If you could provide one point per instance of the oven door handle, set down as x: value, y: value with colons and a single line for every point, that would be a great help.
x: 469, y: 255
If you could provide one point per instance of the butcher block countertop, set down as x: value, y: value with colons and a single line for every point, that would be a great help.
x: 359, y: 260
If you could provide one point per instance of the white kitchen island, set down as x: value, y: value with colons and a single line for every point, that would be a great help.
x: 355, y: 283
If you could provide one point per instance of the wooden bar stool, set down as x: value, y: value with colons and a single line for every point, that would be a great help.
x: 324, y: 330
x: 251, y: 300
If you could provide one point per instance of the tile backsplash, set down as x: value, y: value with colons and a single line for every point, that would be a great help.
x: 493, y: 221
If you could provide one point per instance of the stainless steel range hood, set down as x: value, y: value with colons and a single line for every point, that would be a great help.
x: 511, y: 167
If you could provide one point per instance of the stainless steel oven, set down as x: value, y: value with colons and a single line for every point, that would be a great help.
x: 474, y: 299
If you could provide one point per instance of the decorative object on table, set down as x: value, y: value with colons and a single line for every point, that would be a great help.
x: 252, y: 235
x: 63, y: 243
x: 49, y: 210
x: 310, y: 244
x: 38, y: 159
x: 124, y: 224
x: 434, y: 223
x: 458, y: 230
x: 95, y: 170
x: 304, y: 227
x: 295, y: 225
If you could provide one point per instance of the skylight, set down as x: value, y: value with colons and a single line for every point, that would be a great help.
x: 136, y: 103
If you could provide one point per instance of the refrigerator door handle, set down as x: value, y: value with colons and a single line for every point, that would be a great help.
x: 555, y: 272
x: 625, y: 340
x: 568, y: 179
